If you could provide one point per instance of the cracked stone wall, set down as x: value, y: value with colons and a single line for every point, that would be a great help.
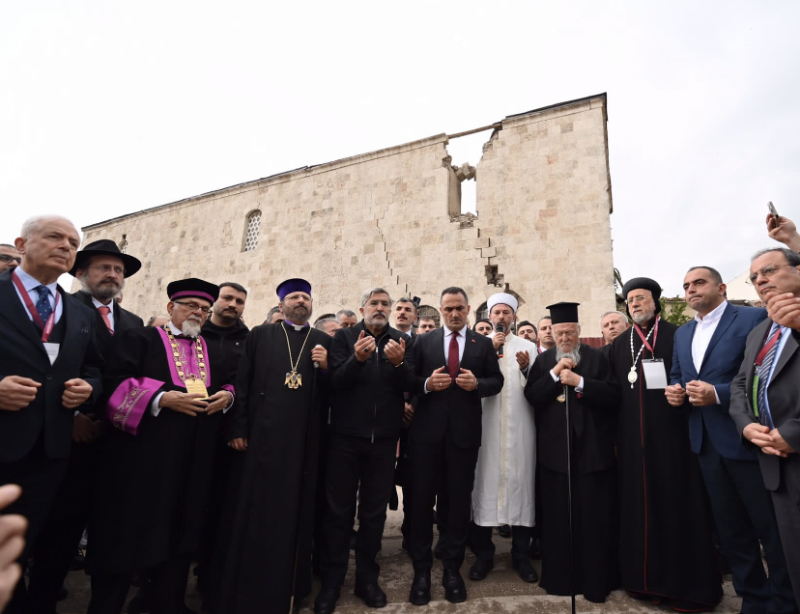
x: 390, y: 218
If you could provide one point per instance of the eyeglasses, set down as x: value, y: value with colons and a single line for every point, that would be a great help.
x: 107, y: 268
x: 193, y: 307
x: 636, y: 299
x: 767, y: 271
x: 6, y: 258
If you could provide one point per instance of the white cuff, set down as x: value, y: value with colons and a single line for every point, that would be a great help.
x: 554, y: 376
x: 233, y: 400
x: 425, y: 387
x: 716, y: 396
x: 154, y: 408
x: 579, y: 387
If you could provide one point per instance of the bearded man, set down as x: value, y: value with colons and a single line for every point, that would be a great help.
x: 282, y: 401
x: 666, y: 551
x: 504, y: 490
x: 576, y: 376
x: 102, y: 270
x: 165, y: 407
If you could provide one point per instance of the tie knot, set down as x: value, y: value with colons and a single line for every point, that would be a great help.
x: 455, y: 334
x: 43, y: 291
x: 105, y: 310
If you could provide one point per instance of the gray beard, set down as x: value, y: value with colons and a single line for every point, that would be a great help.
x: 191, y: 329
x: 103, y: 292
x: 575, y: 354
x: 643, y: 318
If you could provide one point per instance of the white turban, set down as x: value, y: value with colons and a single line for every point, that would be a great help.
x: 505, y: 299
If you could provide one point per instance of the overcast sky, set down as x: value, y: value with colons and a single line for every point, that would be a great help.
x: 108, y: 108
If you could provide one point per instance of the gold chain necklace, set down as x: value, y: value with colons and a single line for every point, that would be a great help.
x: 293, y: 379
x: 194, y: 385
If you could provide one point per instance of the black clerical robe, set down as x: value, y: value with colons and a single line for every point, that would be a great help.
x: 666, y: 548
x: 152, y: 486
x: 594, y: 499
x: 273, y: 483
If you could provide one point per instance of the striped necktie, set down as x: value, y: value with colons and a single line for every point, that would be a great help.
x: 763, y: 371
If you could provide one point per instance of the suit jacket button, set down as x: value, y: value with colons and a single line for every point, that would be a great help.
x: 49, y: 377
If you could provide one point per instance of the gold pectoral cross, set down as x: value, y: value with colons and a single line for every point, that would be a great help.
x: 293, y: 380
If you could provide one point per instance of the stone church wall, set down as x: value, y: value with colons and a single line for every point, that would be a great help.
x: 392, y: 218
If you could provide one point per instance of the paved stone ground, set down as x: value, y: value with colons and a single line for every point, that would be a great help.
x: 501, y: 593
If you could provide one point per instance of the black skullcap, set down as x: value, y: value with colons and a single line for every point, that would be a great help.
x: 563, y: 313
x: 644, y: 283
x: 193, y: 288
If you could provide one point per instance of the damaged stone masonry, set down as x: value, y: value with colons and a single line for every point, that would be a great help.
x: 394, y: 218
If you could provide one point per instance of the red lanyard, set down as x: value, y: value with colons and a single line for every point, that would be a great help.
x: 47, y: 328
x: 644, y: 339
x: 768, y: 346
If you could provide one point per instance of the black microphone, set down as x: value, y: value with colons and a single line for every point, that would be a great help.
x: 500, y: 329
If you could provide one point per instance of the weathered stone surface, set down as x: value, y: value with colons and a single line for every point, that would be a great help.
x: 392, y: 218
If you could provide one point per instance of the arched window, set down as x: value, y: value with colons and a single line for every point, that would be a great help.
x: 251, y: 231
x: 482, y: 313
x: 123, y: 246
x: 429, y: 312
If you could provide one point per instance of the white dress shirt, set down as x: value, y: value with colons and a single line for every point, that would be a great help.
x: 703, y: 332
x: 702, y: 336
x: 29, y: 283
x: 97, y: 304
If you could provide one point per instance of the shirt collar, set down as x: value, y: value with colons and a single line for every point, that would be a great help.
x: 29, y: 283
x: 712, y: 316
x: 462, y: 332
x: 98, y: 304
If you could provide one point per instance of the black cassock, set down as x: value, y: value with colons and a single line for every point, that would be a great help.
x: 258, y: 530
x: 152, y: 488
x: 594, y: 496
x: 666, y: 547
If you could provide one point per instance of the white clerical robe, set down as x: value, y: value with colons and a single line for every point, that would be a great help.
x: 505, y: 474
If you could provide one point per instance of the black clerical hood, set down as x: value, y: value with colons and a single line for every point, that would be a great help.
x: 193, y: 287
x: 563, y: 313
x: 644, y: 283
x: 105, y: 247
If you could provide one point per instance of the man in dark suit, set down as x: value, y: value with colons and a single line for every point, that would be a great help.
x: 49, y: 367
x: 454, y: 368
x: 764, y: 394
x: 102, y: 270
x: 706, y: 356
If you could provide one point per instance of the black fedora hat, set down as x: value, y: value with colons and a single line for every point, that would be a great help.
x: 105, y: 247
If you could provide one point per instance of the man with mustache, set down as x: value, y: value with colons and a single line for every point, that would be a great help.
x: 369, y: 374
x: 264, y: 564
x: 166, y: 394
x: 579, y: 375
x: 49, y: 367
x: 405, y: 314
x: 765, y: 391
x: 454, y: 368
x: 102, y: 270
x: 666, y: 551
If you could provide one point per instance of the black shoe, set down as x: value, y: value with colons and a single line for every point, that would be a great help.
x: 504, y: 530
x: 438, y: 551
x: 325, y: 603
x: 536, y: 549
x: 454, y: 589
x: 371, y: 594
x: 525, y: 570
x: 78, y: 561
x: 480, y: 569
x: 63, y: 593
x: 421, y: 588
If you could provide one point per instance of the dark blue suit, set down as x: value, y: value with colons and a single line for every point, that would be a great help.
x: 742, y: 508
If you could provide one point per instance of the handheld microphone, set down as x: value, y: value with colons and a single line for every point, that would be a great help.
x: 316, y: 364
x: 500, y: 329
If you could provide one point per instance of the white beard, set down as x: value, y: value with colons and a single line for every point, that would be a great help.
x: 191, y: 328
x: 575, y: 354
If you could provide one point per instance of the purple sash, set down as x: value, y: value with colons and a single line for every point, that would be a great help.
x: 130, y: 400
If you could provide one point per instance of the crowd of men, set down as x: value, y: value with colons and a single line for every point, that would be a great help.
x: 643, y: 464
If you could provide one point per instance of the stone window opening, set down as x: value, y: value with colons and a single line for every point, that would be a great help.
x: 469, y: 145
x: 251, y: 231
x: 123, y: 245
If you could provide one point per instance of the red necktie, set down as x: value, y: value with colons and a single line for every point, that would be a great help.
x: 452, y: 356
x: 104, y: 311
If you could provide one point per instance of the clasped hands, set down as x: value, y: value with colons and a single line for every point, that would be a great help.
x: 18, y: 392
x: 192, y: 404
x: 440, y: 380
x: 701, y: 394
x: 365, y: 346
x: 770, y: 441
x: 564, y: 371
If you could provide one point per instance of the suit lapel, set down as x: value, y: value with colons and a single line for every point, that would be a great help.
x: 750, y: 353
x: 13, y: 310
x: 470, y: 346
x: 688, y: 360
x: 728, y: 316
